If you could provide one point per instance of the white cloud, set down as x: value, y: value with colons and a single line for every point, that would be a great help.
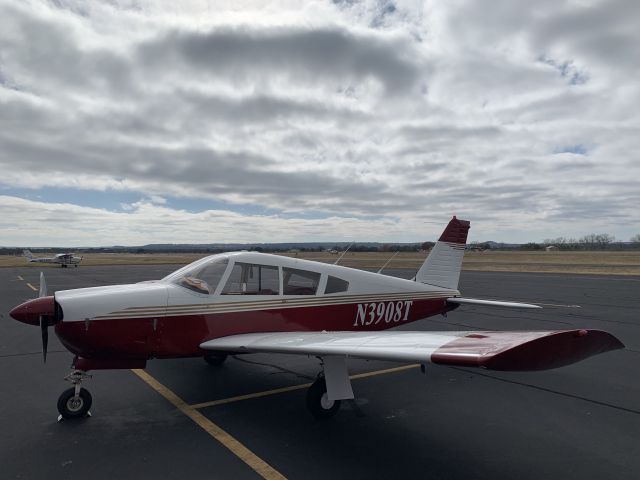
x: 63, y: 224
x: 382, y: 113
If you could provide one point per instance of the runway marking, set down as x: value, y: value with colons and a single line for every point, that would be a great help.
x: 32, y: 287
x: 261, y: 467
x: 292, y: 388
x: 266, y: 393
x: 20, y: 278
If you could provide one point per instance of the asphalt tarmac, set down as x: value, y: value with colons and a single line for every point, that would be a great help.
x: 581, y: 421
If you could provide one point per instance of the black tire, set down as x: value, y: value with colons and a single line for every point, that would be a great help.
x: 215, y: 359
x: 318, y: 403
x: 70, y: 409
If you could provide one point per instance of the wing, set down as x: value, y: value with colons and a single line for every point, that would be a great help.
x: 490, y: 350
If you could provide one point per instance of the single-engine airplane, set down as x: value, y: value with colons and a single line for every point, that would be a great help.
x: 247, y: 302
x: 63, y: 259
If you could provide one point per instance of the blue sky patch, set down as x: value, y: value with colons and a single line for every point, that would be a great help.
x: 577, y: 149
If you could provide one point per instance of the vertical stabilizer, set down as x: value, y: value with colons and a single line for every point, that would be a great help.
x: 442, y: 266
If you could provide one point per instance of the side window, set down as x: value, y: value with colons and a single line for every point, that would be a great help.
x: 335, y: 285
x: 206, y: 279
x: 250, y: 279
x: 300, y: 282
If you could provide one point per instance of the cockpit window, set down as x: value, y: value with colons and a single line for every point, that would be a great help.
x: 203, y: 278
x: 336, y: 285
x: 300, y: 282
x: 252, y: 279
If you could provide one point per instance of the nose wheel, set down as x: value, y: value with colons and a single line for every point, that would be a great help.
x: 75, y: 402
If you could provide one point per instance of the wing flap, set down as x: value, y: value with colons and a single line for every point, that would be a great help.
x: 491, y: 350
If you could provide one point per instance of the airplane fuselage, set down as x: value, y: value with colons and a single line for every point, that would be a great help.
x: 62, y: 260
x: 164, y: 319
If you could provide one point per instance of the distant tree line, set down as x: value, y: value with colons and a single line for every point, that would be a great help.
x: 592, y: 241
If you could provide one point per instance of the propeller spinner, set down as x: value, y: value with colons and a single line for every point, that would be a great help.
x: 39, y: 311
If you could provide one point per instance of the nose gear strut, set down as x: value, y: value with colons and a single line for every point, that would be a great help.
x: 75, y: 402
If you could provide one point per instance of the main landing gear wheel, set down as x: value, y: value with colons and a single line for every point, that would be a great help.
x: 215, y: 359
x: 72, y: 406
x: 318, y: 403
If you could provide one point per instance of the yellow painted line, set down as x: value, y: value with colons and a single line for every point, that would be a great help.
x: 261, y: 467
x: 292, y: 388
x: 20, y: 278
x: 213, y: 403
x: 32, y: 287
x: 385, y: 371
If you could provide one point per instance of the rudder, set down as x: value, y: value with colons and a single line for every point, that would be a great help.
x: 442, y: 266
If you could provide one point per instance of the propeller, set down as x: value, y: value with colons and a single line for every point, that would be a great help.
x: 44, y: 328
x: 44, y: 322
x: 43, y: 286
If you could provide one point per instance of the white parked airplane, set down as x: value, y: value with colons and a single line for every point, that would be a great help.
x: 248, y: 302
x: 62, y: 259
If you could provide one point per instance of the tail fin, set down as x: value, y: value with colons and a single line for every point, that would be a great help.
x: 27, y: 254
x: 442, y: 266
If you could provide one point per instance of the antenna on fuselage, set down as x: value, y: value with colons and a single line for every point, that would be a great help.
x: 342, y: 254
x: 387, y: 262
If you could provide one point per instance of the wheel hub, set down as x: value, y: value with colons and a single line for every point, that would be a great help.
x: 325, y: 402
x: 74, y: 404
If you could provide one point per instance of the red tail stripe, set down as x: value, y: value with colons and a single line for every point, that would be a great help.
x: 456, y: 231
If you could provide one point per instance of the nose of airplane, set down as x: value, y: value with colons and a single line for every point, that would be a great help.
x: 31, y: 311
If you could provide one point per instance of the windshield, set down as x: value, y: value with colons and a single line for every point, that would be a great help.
x: 201, y: 277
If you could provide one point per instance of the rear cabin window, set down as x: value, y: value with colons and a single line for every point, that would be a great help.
x: 336, y: 285
x: 252, y: 279
x: 300, y: 282
x: 205, y: 279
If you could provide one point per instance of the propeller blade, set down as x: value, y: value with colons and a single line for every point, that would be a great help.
x: 43, y: 286
x: 44, y: 328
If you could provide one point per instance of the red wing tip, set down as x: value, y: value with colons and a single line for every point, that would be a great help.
x: 555, y: 350
x: 504, y: 351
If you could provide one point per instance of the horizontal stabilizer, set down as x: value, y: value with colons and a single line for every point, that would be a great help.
x: 491, y: 350
x: 490, y: 303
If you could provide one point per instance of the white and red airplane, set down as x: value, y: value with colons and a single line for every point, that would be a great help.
x: 248, y: 302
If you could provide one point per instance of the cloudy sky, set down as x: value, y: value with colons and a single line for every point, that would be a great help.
x: 131, y: 122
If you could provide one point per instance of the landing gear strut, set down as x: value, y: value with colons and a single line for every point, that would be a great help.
x: 318, y: 402
x: 75, y: 402
x: 332, y: 385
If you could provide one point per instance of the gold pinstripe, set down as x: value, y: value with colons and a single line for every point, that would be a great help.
x: 226, y: 307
